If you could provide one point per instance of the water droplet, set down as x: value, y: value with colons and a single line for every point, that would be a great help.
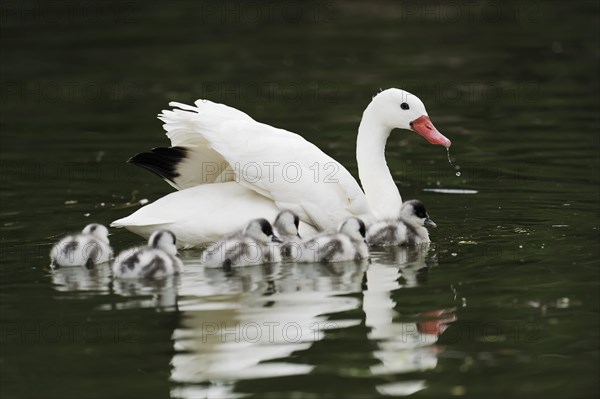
x: 456, y: 167
x: 448, y: 152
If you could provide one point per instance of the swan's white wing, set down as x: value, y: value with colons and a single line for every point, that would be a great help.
x: 191, y: 160
x: 295, y: 174
x: 214, y: 143
x: 279, y: 165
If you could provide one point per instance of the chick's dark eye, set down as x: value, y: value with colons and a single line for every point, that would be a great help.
x: 404, y: 106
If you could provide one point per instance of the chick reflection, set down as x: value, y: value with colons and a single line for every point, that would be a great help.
x: 414, y: 261
x: 82, y: 280
x: 160, y: 294
x: 233, y: 327
x: 403, y: 346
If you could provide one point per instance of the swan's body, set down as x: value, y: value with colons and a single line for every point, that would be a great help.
x: 223, y: 160
x: 252, y: 246
x: 408, y: 229
x: 204, y: 214
x: 286, y: 224
x: 347, y: 244
x: 88, y: 248
x: 157, y: 260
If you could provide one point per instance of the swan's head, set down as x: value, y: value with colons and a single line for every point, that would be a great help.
x: 400, y: 109
x: 164, y: 240
x: 353, y: 228
x: 414, y: 213
x: 97, y: 230
x: 261, y: 231
x: 286, y: 224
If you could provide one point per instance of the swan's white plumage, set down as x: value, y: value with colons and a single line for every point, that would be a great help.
x: 274, y: 163
x: 185, y: 126
x: 203, y: 213
x: 238, y: 164
x: 230, y: 169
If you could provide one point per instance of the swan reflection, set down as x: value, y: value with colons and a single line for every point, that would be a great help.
x: 260, y: 314
x: 403, y: 344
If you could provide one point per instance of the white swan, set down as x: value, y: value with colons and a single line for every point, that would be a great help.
x: 88, y: 248
x: 410, y: 227
x: 226, y: 164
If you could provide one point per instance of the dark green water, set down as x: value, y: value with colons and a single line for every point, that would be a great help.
x: 505, y: 303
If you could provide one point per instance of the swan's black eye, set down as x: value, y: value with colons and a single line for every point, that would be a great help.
x: 404, y: 106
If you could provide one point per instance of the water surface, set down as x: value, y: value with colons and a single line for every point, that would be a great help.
x: 505, y: 301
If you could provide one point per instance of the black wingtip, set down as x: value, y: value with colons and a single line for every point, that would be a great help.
x: 162, y: 161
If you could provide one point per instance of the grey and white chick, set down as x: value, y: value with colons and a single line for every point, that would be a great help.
x: 347, y: 244
x: 408, y: 229
x: 88, y: 248
x: 286, y: 225
x: 252, y: 246
x: 156, y: 260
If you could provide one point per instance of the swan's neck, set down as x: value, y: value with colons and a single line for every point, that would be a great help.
x: 377, y: 181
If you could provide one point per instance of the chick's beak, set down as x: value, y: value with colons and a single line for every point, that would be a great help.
x: 430, y: 223
x: 276, y: 239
